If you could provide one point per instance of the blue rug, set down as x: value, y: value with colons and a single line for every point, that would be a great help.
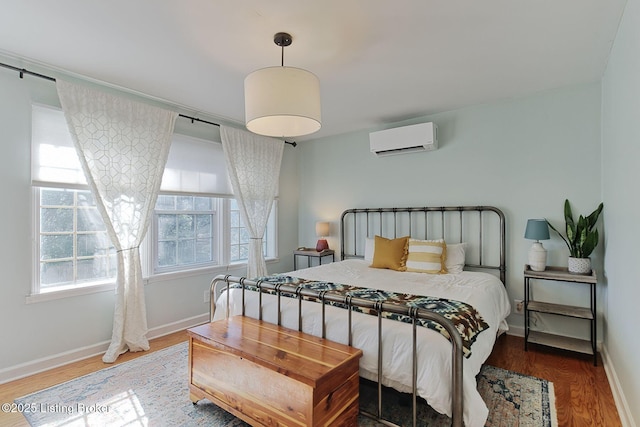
x: 153, y: 391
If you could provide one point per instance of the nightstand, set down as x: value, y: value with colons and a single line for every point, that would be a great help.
x: 311, y: 253
x: 560, y: 274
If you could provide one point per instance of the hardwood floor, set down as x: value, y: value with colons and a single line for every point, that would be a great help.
x: 583, y: 395
x: 21, y: 387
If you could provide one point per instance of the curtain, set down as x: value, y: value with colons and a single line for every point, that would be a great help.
x: 123, y: 147
x: 253, y: 163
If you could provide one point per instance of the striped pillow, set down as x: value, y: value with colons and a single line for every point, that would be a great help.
x: 427, y: 256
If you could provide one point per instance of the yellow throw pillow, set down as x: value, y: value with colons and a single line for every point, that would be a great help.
x: 390, y: 253
x: 427, y: 256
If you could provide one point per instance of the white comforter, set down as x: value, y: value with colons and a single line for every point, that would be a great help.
x: 481, y: 290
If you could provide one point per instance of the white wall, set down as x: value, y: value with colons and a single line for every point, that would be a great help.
x: 620, y: 178
x: 524, y: 156
x: 33, y: 335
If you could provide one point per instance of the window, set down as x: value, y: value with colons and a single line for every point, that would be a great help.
x: 239, y: 236
x: 195, y: 232
x: 185, y: 232
x: 73, y: 244
x: 196, y: 222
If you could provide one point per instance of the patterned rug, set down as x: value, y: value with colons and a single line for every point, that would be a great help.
x: 153, y: 391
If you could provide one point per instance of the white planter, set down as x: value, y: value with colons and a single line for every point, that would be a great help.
x: 579, y: 265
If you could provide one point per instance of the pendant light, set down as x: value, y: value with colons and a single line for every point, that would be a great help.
x: 282, y: 101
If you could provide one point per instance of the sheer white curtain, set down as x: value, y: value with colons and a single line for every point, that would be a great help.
x: 123, y: 147
x: 253, y: 163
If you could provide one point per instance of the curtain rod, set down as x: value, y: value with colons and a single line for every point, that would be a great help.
x: 23, y: 71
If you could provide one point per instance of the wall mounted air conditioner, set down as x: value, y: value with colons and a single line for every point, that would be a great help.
x: 406, y: 139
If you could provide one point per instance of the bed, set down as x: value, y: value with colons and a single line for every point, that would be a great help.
x: 431, y: 362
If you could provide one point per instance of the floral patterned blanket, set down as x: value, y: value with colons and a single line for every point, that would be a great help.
x: 466, y: 319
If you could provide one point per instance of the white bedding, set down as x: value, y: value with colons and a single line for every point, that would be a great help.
x: 481, y: 290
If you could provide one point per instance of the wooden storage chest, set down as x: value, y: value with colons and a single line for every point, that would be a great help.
x: 268, y: 375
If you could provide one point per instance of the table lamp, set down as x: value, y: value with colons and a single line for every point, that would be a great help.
x: 537, y: 229
x: 322, y: 231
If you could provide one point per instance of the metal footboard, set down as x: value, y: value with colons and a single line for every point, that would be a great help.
x: 222, y: 283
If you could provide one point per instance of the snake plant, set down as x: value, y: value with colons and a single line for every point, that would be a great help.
x: 581, y: 236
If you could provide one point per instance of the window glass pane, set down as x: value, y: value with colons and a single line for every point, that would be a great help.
x: 89, y: 219
x: 167, y: 226
x: 56, y: 246
x: 204, y: 227
x: 93, y: 244
x: 235, y: 218
x: 186, y: 227
x: 244, y: 252
x: 184, y: 203
x: 54, y: 273
x: 204, y: 251
x: 186, y: 252
x: 166, y: 203
x: 203, y: 203
x: 56, y: 220
x: 235, y: 252
x: 85, y: 198
x: 56, y: 197
x: 166, y: 254
x: 94, y: 268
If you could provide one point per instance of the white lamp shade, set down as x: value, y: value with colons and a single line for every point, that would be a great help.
x: 282, y: 102
x: 322, y: 229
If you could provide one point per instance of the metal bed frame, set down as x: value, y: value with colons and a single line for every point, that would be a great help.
x: 391, y: 222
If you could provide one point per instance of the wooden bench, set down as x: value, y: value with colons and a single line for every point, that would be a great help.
x: 268, y: 375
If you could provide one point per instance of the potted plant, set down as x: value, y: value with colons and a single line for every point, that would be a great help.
x: 581, y: 238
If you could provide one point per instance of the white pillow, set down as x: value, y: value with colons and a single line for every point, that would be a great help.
x: 369, y: 248
x: 455, y: 257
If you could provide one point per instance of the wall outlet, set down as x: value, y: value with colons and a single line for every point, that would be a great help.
x: 519, y: 305
x: 207, y: 295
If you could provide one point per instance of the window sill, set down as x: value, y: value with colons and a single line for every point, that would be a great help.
x: 74, y: 291
x: 70, y: 292
x: 212, y: 271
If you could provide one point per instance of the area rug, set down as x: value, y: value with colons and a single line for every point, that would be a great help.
x: 152, y: 390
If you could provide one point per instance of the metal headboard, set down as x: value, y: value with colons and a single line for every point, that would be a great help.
x: 481, y: 227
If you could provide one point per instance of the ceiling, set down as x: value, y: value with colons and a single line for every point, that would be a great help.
x: 378, y: 61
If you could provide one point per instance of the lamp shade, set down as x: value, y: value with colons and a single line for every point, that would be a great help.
x: 537, y: 229
x: 322, y: 229
x: 282, y: 102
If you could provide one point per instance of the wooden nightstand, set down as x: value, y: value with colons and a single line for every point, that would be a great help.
x: 311, y: 253
x: 560, y: 274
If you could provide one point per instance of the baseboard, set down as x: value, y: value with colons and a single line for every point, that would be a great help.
x: 618, y: 395
x: 44, y: 364
x: 517, y: 331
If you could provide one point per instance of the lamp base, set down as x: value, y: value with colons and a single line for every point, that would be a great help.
x: 322, y: 245
x: 537, y: 257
